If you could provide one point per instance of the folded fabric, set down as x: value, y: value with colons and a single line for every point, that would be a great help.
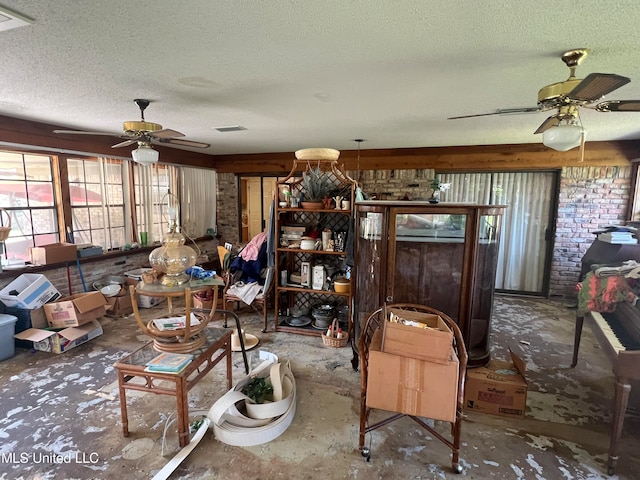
x: 247, y: 292
x: 616, y: 269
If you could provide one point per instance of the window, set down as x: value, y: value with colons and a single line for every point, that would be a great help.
x: 109, y: 200
x: 96, y: 188
x: 27, y: 193
x: 151, y: 184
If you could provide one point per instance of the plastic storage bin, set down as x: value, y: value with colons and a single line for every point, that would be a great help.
x: 7, y: 331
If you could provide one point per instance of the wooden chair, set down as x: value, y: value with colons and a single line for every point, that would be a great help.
x: 374, y: 322
x: 260, y: 304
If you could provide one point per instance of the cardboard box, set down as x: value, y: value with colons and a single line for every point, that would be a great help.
x: 202, y: 302
x: 415, y: 387
x: 204, y: 299
x: 53, y: 253
x: 75, y: 310
x: 433, y: 344
x: 60, y: 341
x: 500, y: 388
x: 120, y: 305
x: 34, y: 290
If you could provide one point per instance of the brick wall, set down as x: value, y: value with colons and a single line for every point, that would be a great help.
x: 227, y: 208
x: 590, y: 198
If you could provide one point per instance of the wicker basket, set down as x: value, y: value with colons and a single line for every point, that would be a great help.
x: 333, y: 341
x: 4, y: 230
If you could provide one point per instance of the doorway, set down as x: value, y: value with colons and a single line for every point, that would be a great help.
x: 256, y: 194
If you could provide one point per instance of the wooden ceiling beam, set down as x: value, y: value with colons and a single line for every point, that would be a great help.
x: 533, y: 156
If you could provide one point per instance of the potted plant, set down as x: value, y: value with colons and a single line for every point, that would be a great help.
x: 436, y: 187
x: 316, y: 186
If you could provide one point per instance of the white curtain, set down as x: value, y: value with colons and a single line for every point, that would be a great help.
x: 528, y: 196
x: 145, y: 202
x: 153, y: 182
x: 198, y: 200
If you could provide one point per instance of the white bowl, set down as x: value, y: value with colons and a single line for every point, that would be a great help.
x: 307, y: 244
x: 110, y: 290
x: 317, y: 154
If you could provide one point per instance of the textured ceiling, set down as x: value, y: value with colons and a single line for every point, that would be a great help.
x: 315, y: 73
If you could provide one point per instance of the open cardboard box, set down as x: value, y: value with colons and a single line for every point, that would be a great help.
x: 407, y: 385
x: 34, y: 290
x: 75, y: 310
x: 119, y: 305
x: 434, y: 343
x: 58, y: 341
x: 499, y: 388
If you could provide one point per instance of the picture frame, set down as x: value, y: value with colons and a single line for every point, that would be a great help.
x: 305, y: 274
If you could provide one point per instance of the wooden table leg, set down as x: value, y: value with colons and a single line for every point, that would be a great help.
x: 182, y: 401
x: 576, y: 340
x: 123, y: 405
x: 620, y: 402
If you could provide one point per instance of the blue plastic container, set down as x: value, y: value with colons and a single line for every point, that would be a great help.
x: 7, y: 331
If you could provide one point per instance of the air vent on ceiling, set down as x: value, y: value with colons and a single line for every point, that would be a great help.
x: 10, y: 20
x: 230, y: 128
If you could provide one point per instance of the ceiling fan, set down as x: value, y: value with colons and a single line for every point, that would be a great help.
x: 563, y: 130
x: 144, y: 134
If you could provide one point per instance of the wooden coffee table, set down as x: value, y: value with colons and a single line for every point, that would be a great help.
x: 131, y: 376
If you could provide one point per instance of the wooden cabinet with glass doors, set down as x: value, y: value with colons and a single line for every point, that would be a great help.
x: 307, y: 266
x: 440, y: 255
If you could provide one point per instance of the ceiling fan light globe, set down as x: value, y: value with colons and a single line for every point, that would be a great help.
x: 563, y: 137
x: 145, y: 155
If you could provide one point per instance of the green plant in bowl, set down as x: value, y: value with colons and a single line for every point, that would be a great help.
x: 316, y: 184
x: 258, y: 390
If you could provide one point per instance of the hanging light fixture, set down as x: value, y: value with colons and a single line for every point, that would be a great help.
x: 145, y: 154
x: 358, y: 141
x: 566, y: 135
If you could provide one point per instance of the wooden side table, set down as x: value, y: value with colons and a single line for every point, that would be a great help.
x: 132, y: 376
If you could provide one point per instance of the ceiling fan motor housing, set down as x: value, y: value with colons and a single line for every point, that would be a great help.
x: 135, y: 128
x: 548, y: 96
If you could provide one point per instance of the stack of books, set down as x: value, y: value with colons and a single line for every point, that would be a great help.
x: 292, y: 233
x: 617, y: 237
x: 169, y: 363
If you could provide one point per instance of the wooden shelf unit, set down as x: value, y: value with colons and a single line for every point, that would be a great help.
x: 290, y: 259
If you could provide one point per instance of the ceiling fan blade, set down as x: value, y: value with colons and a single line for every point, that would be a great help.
x: 597, y: 85
x: 125, y: 143
x: 619, y: 106
x: 165, y: 133
x: 501, y: 111
x: 79, y: 132
x: 186, y: 143
x: 548, y: 123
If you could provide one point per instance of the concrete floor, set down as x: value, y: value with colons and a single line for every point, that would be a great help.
x: 68, y: 404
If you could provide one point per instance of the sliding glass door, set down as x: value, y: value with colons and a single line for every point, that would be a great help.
x: 526, y: 242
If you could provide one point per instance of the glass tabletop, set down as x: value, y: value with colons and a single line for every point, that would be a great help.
x: 195, y: 284
x: 147, y: 352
